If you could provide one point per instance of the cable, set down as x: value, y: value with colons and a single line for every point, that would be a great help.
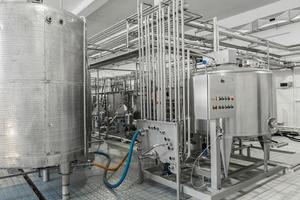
x: 197, y: 160
x: 127, y: 165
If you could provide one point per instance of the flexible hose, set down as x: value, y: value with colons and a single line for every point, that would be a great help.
x: 127, y: 165
x: 111, y: 169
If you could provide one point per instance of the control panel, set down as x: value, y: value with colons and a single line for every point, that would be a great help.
x: 214, y: 96
x: 159, y: 141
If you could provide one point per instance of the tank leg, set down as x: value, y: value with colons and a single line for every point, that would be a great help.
x: 45, y: 174
x: 65, y: 175
x: 40, y: 173
x: 266, y: 154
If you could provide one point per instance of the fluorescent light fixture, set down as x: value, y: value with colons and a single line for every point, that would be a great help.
x: 273, y: 23
x: 296, y: 18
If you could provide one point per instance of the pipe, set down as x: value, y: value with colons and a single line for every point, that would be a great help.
x: 85, y: 60
x: 153, y: 70
x: 174, y: 59
x: 170, y: 66
x: 164, y: 114
x: 19, y: 174
x: 178, y: 62
x: 183, y: 78
x: 188, y: 107
x: 288, y: 129
x: 140, y: 56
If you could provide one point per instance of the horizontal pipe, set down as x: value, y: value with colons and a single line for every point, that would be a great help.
x: 288, y: 128
x: 18, y: 174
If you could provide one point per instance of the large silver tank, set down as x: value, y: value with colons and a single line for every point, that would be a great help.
x: 255, y: 101
x: 41, y: 86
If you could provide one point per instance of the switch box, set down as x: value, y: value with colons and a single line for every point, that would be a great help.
x: 214, y: 96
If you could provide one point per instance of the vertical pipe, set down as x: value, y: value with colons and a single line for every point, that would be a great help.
x: 159, y: 61
x: 183, y: 76
x: 268, y: 54
x: 157, y: 67
x: 85, y: 93
x: 174, y: 59
x: 140, y: 56
x: 164, y: 66
x: 188, y: 104
x: 149, y: 68
x: 65, y: 175
x: 127, y: 34
x: 178, y: 61
x: 170, y: 64
x: 98, y: 92
x: 216, y: 34
x: 61, y: 4
x: 153, y: 68
x: 143, y: 61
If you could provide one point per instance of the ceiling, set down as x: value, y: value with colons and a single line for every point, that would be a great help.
x: 104, y: 13
x: 224, y: 8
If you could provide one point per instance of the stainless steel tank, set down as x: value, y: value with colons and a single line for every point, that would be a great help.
x: 254, y: 100
x: 41, y: 86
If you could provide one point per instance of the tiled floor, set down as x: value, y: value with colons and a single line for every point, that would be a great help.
x: 87, y: 184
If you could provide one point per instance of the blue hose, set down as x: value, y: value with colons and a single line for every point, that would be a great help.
x: 127, y: 165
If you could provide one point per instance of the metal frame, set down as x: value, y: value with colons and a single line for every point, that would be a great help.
x: 224, y: 192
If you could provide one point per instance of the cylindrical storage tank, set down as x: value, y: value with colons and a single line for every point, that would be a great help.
x: 253, y: 100
x: 41, y: 86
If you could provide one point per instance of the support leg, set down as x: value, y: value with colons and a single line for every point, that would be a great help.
x: 45, y: 174
x: 266, y: 153
x: 215, y: 157
x: 240, y: 146
x: 65, y: 175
